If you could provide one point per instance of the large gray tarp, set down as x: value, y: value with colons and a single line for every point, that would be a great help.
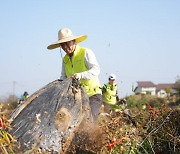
x: 49, y: 118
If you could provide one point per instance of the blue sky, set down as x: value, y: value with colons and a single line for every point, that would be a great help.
x: 137, y: 40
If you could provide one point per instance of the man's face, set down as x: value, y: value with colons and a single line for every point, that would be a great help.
x: 69, y: 47
x: 112, y: 81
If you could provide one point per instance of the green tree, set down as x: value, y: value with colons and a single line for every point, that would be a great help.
x: 168, y: 91
x: 10, y: 103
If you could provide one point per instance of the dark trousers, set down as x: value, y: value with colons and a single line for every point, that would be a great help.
x: 107, y: 107
x: 95, y: 102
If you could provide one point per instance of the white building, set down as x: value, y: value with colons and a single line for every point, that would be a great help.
x: 148, y: 87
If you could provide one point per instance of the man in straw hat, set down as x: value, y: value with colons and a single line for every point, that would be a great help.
x: 80, y: 63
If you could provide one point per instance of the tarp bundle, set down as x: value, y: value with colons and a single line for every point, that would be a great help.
x: 49, y: 118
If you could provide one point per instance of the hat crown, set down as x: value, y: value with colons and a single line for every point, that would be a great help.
x: 64, y: 33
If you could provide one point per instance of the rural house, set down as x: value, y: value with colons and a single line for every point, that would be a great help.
x: 160, y: 90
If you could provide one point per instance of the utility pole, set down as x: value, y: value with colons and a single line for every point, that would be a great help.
x: 14, y: 84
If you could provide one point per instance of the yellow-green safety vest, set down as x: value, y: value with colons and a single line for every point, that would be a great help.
x: 76, y: 64
x: 110, y: 93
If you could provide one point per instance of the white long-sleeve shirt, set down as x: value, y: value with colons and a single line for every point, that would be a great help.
x: 92, y: 65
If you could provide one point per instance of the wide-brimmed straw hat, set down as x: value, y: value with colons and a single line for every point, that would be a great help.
x: 65, y: 35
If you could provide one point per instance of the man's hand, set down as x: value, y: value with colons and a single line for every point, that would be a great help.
x: 76, y: 76
x: 121, y: 101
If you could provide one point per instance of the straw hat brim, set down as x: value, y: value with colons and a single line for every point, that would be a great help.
x: 78, y: 39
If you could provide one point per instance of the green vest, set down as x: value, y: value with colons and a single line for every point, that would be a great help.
x: 109, y: 93
x: 76, y: 64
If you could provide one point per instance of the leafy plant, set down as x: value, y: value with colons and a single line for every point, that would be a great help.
x: 6, y: 140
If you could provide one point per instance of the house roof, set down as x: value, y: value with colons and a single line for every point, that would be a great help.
x: 164, y: 86
x: 145, y: 84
